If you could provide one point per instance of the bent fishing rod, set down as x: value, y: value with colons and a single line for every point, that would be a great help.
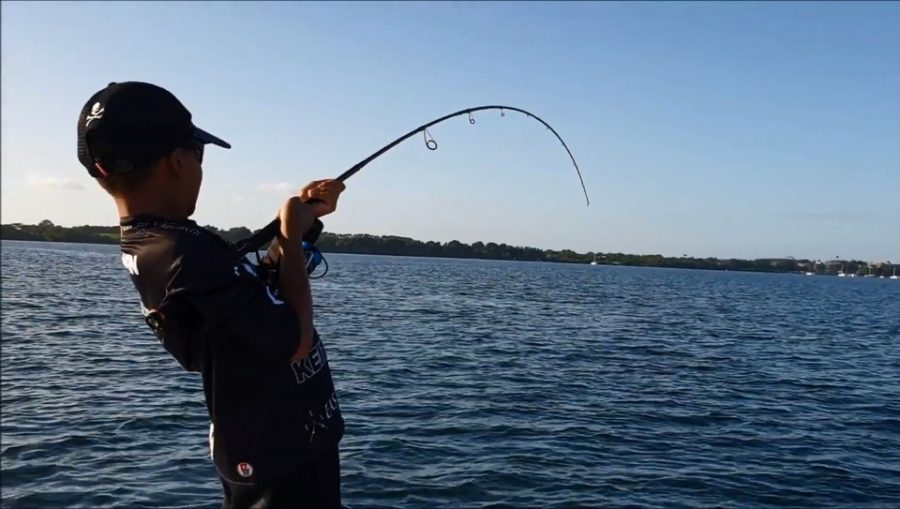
x: 270, y: 231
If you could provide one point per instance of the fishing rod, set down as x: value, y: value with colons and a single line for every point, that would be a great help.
x: 262, y: 237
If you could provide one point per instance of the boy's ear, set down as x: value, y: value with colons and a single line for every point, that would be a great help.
x: 175, y: 162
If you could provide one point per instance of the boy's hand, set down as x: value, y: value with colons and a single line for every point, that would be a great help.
x: 322, y: 195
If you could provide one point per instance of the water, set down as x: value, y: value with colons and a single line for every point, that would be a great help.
x: 472, y: 383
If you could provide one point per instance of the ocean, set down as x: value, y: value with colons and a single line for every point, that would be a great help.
x: 473, y: 383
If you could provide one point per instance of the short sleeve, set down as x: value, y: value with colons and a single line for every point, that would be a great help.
x: 232, y: 304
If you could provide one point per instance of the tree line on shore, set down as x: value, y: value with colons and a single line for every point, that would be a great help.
x: 46, y: 231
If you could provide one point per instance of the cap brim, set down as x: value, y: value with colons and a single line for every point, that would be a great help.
x: 204, y: 138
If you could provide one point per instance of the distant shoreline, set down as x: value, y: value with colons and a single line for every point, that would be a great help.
x: 366, y: 244
x: 468, y: 258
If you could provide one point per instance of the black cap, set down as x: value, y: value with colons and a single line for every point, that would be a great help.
x: 128, y: 125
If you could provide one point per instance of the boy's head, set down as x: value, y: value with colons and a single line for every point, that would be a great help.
x: 138, y: 139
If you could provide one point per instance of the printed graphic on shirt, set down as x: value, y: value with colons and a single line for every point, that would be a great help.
x: 309, y: 366
x: 317, y: 422
x: 130, y: 263
x: 245, y: 469
x: 330, y: 406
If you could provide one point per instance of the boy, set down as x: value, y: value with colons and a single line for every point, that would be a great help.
x: 275, y: 418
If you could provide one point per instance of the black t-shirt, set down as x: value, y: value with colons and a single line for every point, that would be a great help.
x: 215, y: 315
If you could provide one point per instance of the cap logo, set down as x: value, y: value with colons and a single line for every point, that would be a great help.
x: 245, y: 469
x: 96, y: 113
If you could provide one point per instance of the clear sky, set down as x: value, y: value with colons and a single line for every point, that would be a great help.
x: 709, y: 129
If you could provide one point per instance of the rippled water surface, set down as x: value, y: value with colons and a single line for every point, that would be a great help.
x: 472, y: 383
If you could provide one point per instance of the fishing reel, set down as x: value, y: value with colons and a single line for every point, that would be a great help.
x: 312, y: 254
x: 314, y: 258
x: 267, y: 269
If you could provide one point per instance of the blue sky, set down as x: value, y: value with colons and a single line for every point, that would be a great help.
x: 709, y: 129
